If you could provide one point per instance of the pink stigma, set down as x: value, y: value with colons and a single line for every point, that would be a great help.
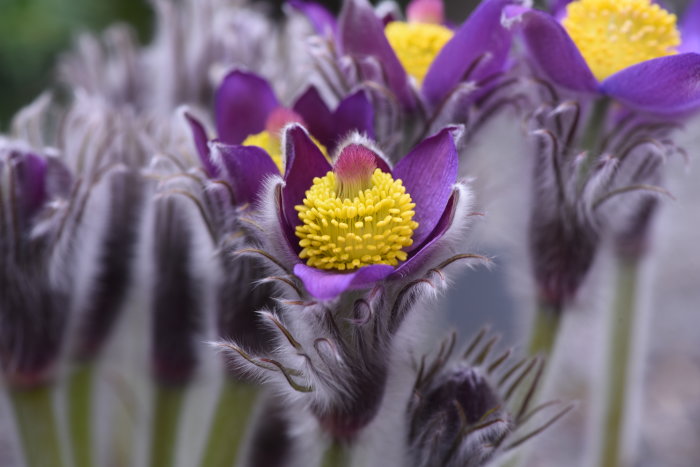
x: 279, y: 118
x: 426, y: 11
x: 356, y: 163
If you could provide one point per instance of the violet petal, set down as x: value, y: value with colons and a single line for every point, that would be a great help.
x: 326, y: 285
x: 464, y: 55
x: 201, y: 144
x: 665, y: 85
x: 428, y: 173
x: 304, y: 162
x: 360, y: 34
x: 317, y: 116
x: 246, y: 167
x: 321, y: 19
x: 31, y: 174
x: 420, y: 257
x: 242, y: 104
x: 354, y: 113
x: 552, y: 50
x: 690, y: 28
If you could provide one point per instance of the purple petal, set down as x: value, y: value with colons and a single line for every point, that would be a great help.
x: 317, y: 116
x: 420, y: 257
x: 321, y: 19
x: 465, y: 57
x: 690, y: 29
x: 31, y: 172
x: 246, y: 167
x: 428, y: 173
x: 360, y: 34
x: 242, y: 104
x: 553, y: 51
x: 326, y: 285
x: 304, y: 162
x: 202, y: 146
x: 666, y: 85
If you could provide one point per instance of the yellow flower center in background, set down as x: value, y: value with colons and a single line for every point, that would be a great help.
x: 272, y: 144
x: 417, y: 44
x: 615, y: 34
x: 347, y: 226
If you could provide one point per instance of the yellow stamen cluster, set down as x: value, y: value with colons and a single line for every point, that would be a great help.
x: 344, y: 232
x: 417, y: 44
x: 272, y: 144
x: 615, y: 34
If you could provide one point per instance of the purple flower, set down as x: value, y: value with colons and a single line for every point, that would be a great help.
x: 248, y: 121
x: 428, y: 175
x: 635, y: 63
x: 423, y: 50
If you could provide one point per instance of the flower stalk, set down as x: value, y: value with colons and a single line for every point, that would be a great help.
x: 544, y: 330
x: 623, y: 321
x: 228, y: 428
x: 336, y: 455
x: 168, y: 405
x: 37, y: 426
x: 80, y: 386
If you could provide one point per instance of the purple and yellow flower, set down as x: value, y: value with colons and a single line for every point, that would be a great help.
x: 424, y: 52
x: 632, y: 51
x: 250, y: 118
x: 358, y: 221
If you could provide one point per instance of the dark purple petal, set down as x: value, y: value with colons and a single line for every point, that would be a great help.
x: 31, y: 175
x: 553, y: 51
x: 321, y: 19
x: 424, y: 252
x: 246, y: 167
x: 666, y: 85
x: 478, y: 49
x: 354, y: 113
x: 242, y: 104
x: 361, y: 34
x: 304, y: 162
x: 690, y: 28
x: 201, y: 144
x: 428, y: 173
x: 326, y: 285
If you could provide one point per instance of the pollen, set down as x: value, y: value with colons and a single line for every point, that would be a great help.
x: 272, y: 144
x: 615, y: 34
x: 417, y: 44
x: 344, y: 230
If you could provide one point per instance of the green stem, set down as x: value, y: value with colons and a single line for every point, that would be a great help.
x: 622, y: 326
x: 337, y: 455
x: 166, y: 417
x: 544, y: 330
x: 80, y: 387
x: 229, y: 425
x: 38, y: 428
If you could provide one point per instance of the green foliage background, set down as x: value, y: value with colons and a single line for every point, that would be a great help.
x: 34, y: 32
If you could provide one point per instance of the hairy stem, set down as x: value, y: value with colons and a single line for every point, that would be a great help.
x: 544, y: 330
x: 80, y: 386
x: 166, y: 417
x: 337, y: 455
x: 228, y: 428
x: 37, y: 426
x: 621, y: 334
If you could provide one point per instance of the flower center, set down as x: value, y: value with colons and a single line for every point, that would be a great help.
x: 615, y: 34
x: 417, y: 44
x: 355, y: 215
x: 269, y: 139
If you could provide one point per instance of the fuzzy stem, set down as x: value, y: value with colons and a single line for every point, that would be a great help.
x: 229, y: 425
x: 595, y: 126
x: 337, y: 455
x: 38, y: 428
x: 166, y: 417
x: 544, y: 330
x: 80, y: 386
x: 621, y: 336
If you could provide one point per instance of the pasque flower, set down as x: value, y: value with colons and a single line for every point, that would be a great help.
x: 629, y: 50
x: 250, y: 117
x: 348, y: 225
